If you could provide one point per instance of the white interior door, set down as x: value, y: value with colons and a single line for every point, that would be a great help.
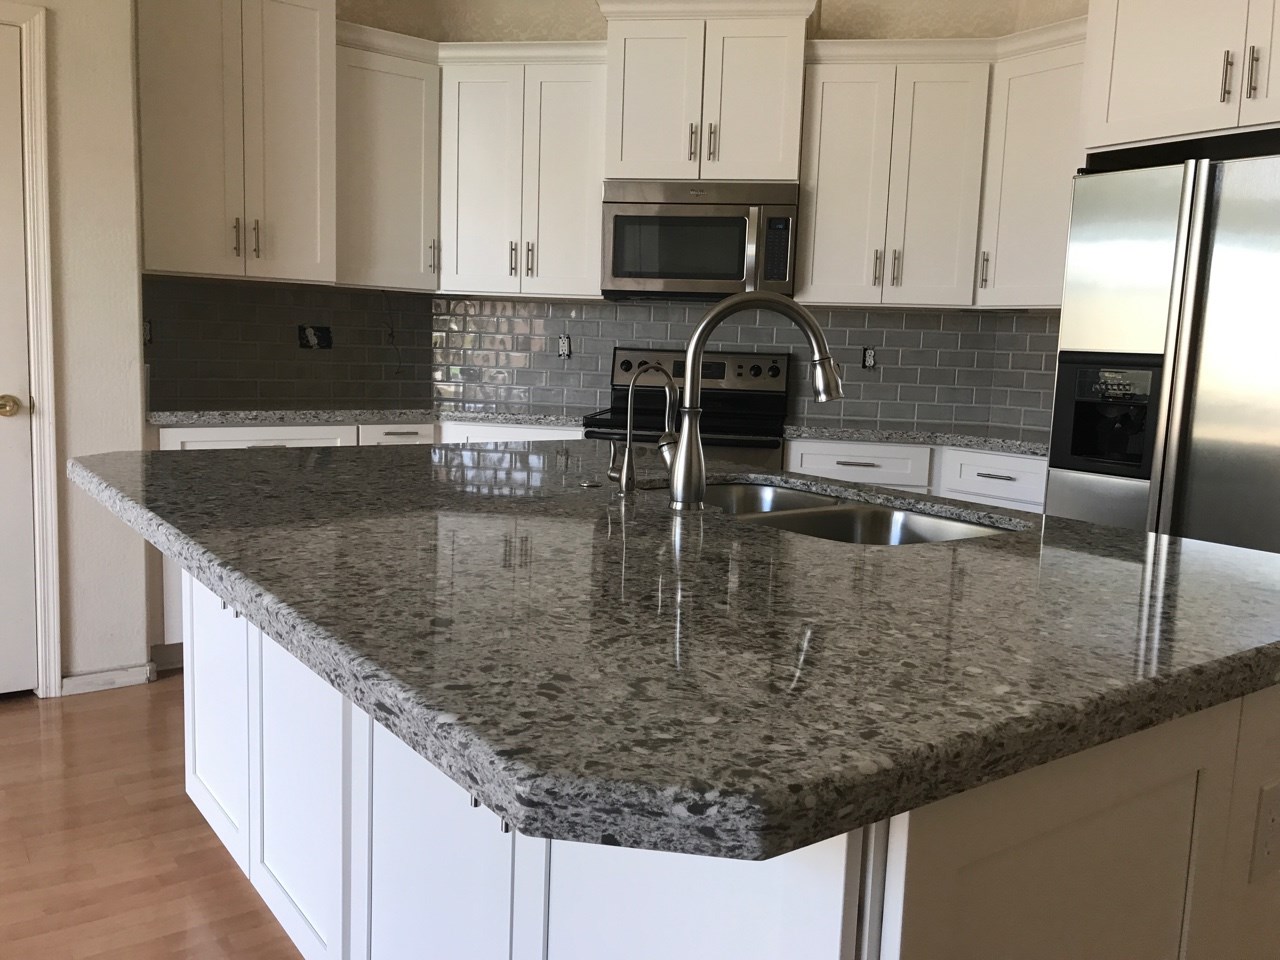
x: 191, y: 136
x: 751, y: 100
x: 18, y: 585
x: 481, y: 161
x: 939, y: 127
x: 563, y: 167
x: 655, y: 99
x: 388, y: 170
x: 289, y: 139
x: 844, y: 188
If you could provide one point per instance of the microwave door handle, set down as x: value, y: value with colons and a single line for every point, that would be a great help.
x: 750, y: 261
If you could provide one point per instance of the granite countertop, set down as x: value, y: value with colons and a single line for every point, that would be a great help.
x: 285, y: 417
x: 1026, y: 448
x: 595, y: 670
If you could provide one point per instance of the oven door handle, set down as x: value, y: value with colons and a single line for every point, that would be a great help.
x: 752, y: 264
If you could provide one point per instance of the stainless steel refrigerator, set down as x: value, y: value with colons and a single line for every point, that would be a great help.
x: 1167, y: 404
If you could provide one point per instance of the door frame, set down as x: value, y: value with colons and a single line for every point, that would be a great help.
x: 32, y: 26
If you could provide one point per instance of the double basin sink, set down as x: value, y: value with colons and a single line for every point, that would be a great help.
x: 832, y: 518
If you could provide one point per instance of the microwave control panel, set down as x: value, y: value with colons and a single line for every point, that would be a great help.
x: 777, y: 249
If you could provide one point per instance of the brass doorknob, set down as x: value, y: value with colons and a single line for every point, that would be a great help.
x: 9, y: 405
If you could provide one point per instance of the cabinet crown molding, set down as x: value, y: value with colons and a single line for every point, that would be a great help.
x: 358, y: 37
x: 947, y: 50
x: 703, y: 9
x: 576, y: 51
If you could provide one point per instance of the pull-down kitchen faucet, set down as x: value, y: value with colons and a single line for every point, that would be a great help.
x: 626, y: 471
x: 689, y: 471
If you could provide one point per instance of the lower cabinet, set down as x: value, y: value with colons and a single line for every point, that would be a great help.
x: 467, y: 431
x: 899, y: 465
x: 391, y: 434
x: 996, y: 479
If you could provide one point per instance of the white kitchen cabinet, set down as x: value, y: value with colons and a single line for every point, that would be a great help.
x: 717, y: 99
x: 441, y: 874
x: 469, y: 431
x: 844, y: 196
x: 1177, y: 67
x: 1034, y: 148
x: 1261, y: 99
x: 521, y: 166
x: 899, y: 465
x: 299, y: 796
x: 996, y: 479
x: 388, y: 170
x: 215, y: 680
x: 236, y: 115
x: 914, y: 167
x: 391, y: 434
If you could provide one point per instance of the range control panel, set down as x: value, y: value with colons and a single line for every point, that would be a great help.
x: 760, y: 372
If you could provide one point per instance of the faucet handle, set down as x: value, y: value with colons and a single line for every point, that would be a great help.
x: 667, y: 444
x: 615, y: 460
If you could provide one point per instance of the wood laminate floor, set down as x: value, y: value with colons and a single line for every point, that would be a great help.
x: 101, y: 853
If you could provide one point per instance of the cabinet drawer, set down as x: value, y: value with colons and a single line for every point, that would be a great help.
x: 972, y: 474
x: 238, y: 438
x: 886, y: 464
x: 389, y: 434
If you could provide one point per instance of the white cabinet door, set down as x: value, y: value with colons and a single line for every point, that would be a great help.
x: 752, y: 99
x: 939, y: 124
x: 298, y: 797
x: 441, y: 869
x: 1158, y: 69
x: 1034, y: 148
x: 215, y: 680
x: 563, y: 168
x: 388, y: 170
x: 844, y: 185
x: 481, y: 177
x: 191, y: 136
x: 1260, y: 101
x: 654, y: 118
x: 289, y: 138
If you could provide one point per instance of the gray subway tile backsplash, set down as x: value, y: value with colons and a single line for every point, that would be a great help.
x: 975, y: 372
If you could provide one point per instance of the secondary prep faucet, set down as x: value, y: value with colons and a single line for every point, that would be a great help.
x: 689, y: 469
x: 625, y: 472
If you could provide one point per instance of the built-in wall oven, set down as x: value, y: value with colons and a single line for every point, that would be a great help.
x: 697, y: 239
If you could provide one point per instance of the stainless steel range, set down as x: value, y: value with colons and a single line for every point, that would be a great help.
x: 744, y: 402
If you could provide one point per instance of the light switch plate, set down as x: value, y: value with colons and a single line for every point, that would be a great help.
x: 1266, y: 836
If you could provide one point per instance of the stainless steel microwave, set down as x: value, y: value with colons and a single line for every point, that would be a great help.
x: 697, y: 238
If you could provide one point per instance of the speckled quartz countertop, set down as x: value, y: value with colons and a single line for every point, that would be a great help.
x: 594, y: 670
x: 1028, y: 448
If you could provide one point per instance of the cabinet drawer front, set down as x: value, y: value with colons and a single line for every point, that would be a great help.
x: 238, y: 438
x: 397, y: 433
x: 879, y: 463
x: 1005, y: 477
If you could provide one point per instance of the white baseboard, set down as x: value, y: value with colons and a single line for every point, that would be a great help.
x: 108, y: 679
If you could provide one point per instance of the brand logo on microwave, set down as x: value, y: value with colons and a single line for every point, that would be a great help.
x: 695, y: 192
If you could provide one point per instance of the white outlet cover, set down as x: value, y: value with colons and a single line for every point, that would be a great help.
x: 1266, y: 836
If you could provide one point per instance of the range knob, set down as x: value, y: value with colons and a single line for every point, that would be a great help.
x: 775, y: 371
x: 626, y: 366
x: 756, y: 370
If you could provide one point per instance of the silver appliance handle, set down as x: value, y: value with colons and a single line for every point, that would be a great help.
x: 874, y: 870
x: 1171, y: 416
x: 752, y: 261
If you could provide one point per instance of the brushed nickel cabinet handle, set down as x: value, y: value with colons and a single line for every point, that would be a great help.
x: 876, y: 257
x: 528, y: 259
x: 895, y: 277
x: 400, y: 433
x: 857, y: 463
x: 235, y: 229
x: 693, y: 141
x: 986, y: 265
x: 257, y: 239
x: 431, y: 263
x: 997, y: 476
x: 1227, y: 63
x: 512, y: 258
x: 712, y: 142
x: 1251, y: 87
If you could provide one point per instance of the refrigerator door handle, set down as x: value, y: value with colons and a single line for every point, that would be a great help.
x: 1171, y: 420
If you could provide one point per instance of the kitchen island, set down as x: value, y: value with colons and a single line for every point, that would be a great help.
x: 703, y: 691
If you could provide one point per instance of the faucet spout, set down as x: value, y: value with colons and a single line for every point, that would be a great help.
x: 689, y: 471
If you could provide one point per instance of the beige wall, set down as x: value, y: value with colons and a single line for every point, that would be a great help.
x: 581, y: 19
x: 97, y: 339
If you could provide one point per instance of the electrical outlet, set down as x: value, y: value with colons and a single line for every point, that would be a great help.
x: 565, y: 350
x: 868, y: 358
x: 315, y: 338
x: 1266, y: 835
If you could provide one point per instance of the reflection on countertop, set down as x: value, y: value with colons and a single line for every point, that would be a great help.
x: 596, y: 670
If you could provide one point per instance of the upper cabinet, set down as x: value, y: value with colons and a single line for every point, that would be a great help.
x: 388, y: 170
x: 236, y: 105
x: 1178, y: 67
x: 891, y: 182
x: 521, y: 165
x: 1034, y: 148
x: 714, y: 99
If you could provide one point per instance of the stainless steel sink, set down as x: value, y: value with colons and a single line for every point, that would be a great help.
x: 871, y: 524
x: 743, y: 498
